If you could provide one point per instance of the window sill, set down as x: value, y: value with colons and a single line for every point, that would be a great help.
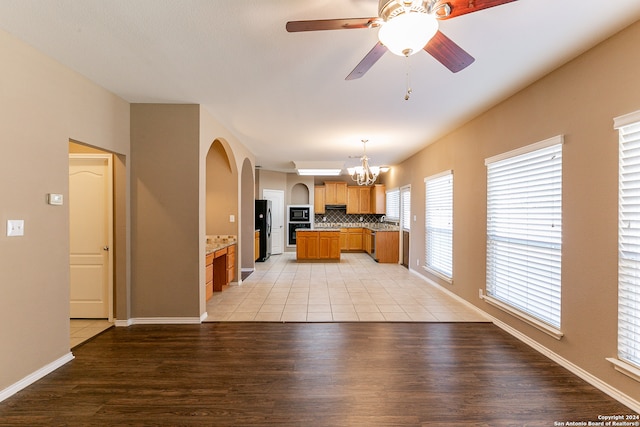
x: 439, y: 275
x: 625, y: 368
x: 541, y: 326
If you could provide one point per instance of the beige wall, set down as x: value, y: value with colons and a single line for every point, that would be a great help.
x: 164, y: 212
x: 270, y: 180
x: 43, y: 106
x: 578, y: 101
x: 222, y: 192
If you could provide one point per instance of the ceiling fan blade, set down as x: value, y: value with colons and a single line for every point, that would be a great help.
x: 367, y: 62
x: 462, y: 7
x: 448, y: 53
x: 332, y: 24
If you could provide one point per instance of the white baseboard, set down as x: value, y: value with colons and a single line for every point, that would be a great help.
x: 452, y: 295
x: 576, y: 370
x: 122, y: 323
x: 35, y: 376
x: 203, y: 316
x: 159, y: 321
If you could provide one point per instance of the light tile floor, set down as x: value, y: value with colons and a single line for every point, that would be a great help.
x: 356, y: 289
x: 83, y: 329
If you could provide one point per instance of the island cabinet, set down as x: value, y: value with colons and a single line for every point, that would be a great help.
x: 358, y: 200
x: 318, y: 199
x: 209, y: 276
x: 317, y: 245
x: 335, y: 193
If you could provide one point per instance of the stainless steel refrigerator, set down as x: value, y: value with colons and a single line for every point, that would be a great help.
x: 263, y: 224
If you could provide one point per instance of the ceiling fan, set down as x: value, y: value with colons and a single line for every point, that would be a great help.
x: 406, y: 27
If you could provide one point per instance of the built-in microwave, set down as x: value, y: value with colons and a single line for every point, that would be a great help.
x: 299, y: 214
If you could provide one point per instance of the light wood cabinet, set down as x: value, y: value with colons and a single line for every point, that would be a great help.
x: 220, y: 269
x: 318, y: 199
x: 318, y: 245
x: 344, y: 243
x: 358, y: 200
x: 351, y: 239
x: 365, y: 200
x: 354, y: 238
x: 329, y: 246
x: 366, y: 240
x: 209, y: 276
x: 231, y: 263
x: 378, y: 199
x: 387, y: 246
x: 335, y: 193
x: 256, y: 246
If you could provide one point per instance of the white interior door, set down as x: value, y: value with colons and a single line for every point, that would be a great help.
x: 90, y: 219
x: 277, y: 219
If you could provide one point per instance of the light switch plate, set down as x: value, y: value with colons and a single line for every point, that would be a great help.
x: 54, y: 199
x: 15, y: 227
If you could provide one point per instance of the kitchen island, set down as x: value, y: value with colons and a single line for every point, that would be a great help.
x: 318, y: 245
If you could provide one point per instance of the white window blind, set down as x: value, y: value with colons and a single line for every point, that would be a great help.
x: 439, y: 224
x: 629, y: 245
x: 405, y: 207
x: 393, y: 205
x: 524, y: 229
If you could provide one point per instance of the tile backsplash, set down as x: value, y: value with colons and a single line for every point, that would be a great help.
x: 341, y: 216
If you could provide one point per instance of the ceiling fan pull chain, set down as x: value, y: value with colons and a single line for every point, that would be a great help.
x: 408, y: 94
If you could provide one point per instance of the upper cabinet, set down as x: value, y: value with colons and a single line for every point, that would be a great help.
x: 335, y: 193
x: 318, y: 199
x: 378, y: 199
x: 358, y: 200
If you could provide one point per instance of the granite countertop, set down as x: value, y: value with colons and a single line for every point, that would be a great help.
x: 367, y: 225
x: 319, y: 229
x: 217, y: 242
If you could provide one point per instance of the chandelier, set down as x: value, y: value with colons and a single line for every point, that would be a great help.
x: 364, y: 174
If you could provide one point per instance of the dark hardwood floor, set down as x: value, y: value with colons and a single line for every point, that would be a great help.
x: 307, y: 374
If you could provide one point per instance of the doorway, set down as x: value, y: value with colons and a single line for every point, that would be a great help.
x: 277, y: 219
x: 91, y: 236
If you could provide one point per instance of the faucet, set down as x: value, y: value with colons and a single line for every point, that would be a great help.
x: 383, y: 218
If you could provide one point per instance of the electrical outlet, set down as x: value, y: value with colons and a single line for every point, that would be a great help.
x: 480, y: 294
x: 15, y: 227
x: 417, y: 262
x: 232, y: 218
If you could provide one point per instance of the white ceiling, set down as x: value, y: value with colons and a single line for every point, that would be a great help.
x: 283, y: 95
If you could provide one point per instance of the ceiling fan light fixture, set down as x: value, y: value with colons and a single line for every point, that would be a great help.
x: 407, y: 33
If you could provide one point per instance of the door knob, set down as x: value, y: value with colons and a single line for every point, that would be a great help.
x: 106, y: 248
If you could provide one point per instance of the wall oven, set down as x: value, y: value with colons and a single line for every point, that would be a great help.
x: 292, y: 230
x: 298, y: 216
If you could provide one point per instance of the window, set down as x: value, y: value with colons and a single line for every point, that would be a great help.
x: 629, y: 239
x: 439, y: 224
x: 393, y: 205
x: 524, y: 231
x: 405, y: 207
